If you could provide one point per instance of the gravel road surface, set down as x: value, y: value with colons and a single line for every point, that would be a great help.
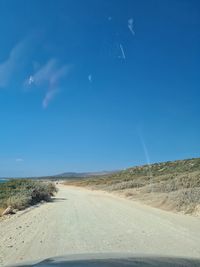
x: 83, y: 221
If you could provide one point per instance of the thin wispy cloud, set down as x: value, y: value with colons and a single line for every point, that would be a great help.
x: 11, y: 65
x: 19, y: 160
x: 122, y: 51
x: 48, y: 76
x: 48, y: 97
x: 90, y: 78
x: 130, y: 26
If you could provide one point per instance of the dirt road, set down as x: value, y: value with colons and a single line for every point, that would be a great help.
x: 83, y: 221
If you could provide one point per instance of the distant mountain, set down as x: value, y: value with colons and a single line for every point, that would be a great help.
x: 64, y: 175
x: 83, y: 174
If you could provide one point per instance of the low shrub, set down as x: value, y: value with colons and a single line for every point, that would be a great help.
x: 42, y: 191
x: 19, y: 201
x: 125, y: 185
x: 21, y: 193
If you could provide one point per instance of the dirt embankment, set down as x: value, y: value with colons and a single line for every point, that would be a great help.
x: 171, y: 186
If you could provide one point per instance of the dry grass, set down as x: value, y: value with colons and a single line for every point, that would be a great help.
x: 172, y: 185
x: 1, y: 211
x: 21, y: 193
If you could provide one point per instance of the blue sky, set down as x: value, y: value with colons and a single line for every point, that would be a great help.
x: 97, y: 85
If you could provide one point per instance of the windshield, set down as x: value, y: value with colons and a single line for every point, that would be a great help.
x: 99, y: 137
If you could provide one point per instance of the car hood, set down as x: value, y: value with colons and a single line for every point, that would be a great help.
x: 114, y: 260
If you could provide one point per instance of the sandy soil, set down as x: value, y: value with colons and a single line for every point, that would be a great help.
x: 84, y: 221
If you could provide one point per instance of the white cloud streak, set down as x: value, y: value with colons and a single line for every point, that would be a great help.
x: 48, y: 97
x: 130, y: 26
x: 12, y: 63
x: 122, y: 50
x: 49, y: 76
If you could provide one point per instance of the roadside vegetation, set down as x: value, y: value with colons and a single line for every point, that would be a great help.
x: 19, y: 194
x: 171, y: 185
